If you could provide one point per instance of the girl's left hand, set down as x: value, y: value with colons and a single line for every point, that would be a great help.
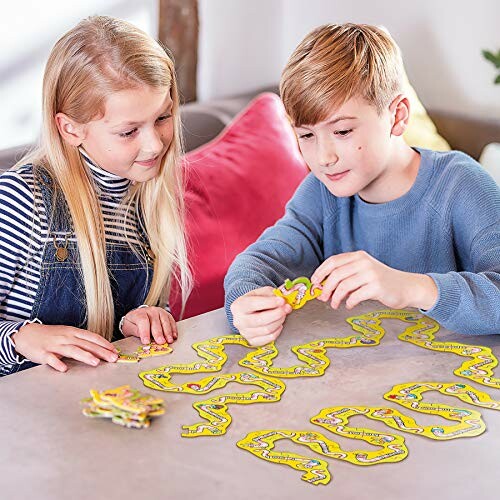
x: 357, y: 276
x: 147, y: 322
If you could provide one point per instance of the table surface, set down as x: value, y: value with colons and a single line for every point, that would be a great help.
x: 51, y: 451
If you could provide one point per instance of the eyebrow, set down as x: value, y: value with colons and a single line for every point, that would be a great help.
x: 133, y: 124
x: 332, y: 121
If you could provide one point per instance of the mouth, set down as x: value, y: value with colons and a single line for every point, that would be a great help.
x: 148, y: 163
x: 338, y: 176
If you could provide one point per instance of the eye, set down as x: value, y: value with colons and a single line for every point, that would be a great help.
x: 130, y: 133
x: 164, y: 117
x: 343, y: 133
x: 305, y: 136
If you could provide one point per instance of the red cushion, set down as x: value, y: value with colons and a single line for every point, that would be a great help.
x: 237, y: 186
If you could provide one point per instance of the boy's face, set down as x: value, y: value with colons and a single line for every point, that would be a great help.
x: 350, y: 151
x: 134, y: 134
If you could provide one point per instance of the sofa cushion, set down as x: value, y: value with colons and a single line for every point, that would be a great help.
x: 237, y: 186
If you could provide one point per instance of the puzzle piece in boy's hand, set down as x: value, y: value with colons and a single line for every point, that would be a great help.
x: 298, y: 292
x: 144, y: 351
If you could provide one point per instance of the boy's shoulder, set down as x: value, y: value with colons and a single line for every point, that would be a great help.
x: 458, y: 183
x: 456, y: 167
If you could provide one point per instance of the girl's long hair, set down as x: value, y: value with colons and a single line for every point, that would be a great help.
x: 99, y: 56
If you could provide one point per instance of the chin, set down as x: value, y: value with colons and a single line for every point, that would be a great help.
x: 146, y: 176
x: 341, y: 192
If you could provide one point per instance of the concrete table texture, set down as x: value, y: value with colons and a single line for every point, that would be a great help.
x: 49, y: 450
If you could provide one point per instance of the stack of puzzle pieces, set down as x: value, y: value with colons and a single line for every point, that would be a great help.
x: 124, y: 406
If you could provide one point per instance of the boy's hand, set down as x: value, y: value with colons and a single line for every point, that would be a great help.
x: 47, y: 344
x: 147, y: 322
x: 259, y: 315
x: 357, y: 276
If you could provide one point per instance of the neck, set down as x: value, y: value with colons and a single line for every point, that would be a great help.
x: 397, y: 177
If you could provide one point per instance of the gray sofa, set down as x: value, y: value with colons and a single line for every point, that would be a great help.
x: 202, y: 121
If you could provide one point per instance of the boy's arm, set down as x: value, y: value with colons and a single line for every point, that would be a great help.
x: 291, y: 248
x: 469, y: 302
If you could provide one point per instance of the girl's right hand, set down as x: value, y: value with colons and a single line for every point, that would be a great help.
x: 259, y: 315
x: 47, y: 344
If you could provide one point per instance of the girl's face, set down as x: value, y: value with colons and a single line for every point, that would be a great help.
x: 134, y: 134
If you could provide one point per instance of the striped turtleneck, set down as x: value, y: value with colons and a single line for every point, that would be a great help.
x: 24, y: 232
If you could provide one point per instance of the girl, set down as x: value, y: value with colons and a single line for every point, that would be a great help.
x: 91, y: 231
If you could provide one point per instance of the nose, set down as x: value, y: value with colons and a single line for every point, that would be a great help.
x: 326, y: 153
x: 152, y: 142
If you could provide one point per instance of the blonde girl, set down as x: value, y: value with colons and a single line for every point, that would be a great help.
x: 91, y: 223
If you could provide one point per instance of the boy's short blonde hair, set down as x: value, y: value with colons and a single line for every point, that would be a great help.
x: 337, y: 62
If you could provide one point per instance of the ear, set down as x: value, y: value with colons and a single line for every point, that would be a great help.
x: 400, y: 114
x: 71, y: 131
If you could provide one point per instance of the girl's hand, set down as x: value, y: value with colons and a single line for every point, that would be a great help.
x: 357, y: 276
x: 259, y: 315
x: 47, y: 344
x: 145, y: 322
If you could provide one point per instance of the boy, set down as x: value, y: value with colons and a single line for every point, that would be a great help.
x: 375, y: 219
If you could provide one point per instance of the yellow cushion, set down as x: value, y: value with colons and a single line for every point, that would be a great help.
x: 421, y: 131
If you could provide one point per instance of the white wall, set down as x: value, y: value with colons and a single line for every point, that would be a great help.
x: 24, y: 51
x: 240, y: 46
x: 441, y: 41
x: 244, y: 45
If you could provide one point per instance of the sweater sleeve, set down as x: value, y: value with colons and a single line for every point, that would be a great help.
x: 469, y: 298
x: 469, y: 301
x: 291, y: 248
x: 17, y: 226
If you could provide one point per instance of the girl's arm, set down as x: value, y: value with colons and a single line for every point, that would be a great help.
x: 19, y: 226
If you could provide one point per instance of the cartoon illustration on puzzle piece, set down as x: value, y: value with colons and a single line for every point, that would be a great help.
x: 144, y: 351
x: 298, y: 292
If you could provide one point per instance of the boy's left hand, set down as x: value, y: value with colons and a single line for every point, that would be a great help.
x: 357, y: 276
x: 147, y: 322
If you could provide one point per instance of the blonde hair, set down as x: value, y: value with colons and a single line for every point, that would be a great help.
x: 334, y: 63
x: 99, y: 56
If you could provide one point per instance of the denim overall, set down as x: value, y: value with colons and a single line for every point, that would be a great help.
x: 60, y: 298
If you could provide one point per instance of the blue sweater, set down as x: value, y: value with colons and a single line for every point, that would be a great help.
x: 446, y: 226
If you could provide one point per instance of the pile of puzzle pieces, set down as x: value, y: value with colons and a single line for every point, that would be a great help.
x: 124, y: 406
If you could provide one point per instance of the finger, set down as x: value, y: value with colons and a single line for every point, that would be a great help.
x: 261, y: 303
x: 337, y: 275
x: 169, y: 327
x: 265, y: 339
x: 346, y: 287
x: 361, y: 294
x: 77, y: 353
x: 95, y: 338
x: 96, y: 350
x: 143, y: 328
x: 156, y: 327
x: 263, y: 330
x: 173, y: 325
x: 53, y: 361
x: 265, y: 318
x: 324, y: 269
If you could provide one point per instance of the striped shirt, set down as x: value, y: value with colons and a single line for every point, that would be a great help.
x: 24, y: 232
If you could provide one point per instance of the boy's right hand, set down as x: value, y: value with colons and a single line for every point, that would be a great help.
x: 46, y: 344
x: 259, y: 315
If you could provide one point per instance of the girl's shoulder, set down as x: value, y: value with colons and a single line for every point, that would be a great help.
x: 17, y: 185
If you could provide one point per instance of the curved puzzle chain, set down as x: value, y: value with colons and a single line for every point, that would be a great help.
x: 393, y: 448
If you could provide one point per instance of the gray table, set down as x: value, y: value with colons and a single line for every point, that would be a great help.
x: 50, y: 451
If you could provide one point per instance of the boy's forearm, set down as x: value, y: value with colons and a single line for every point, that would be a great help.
x: 467, y: 302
